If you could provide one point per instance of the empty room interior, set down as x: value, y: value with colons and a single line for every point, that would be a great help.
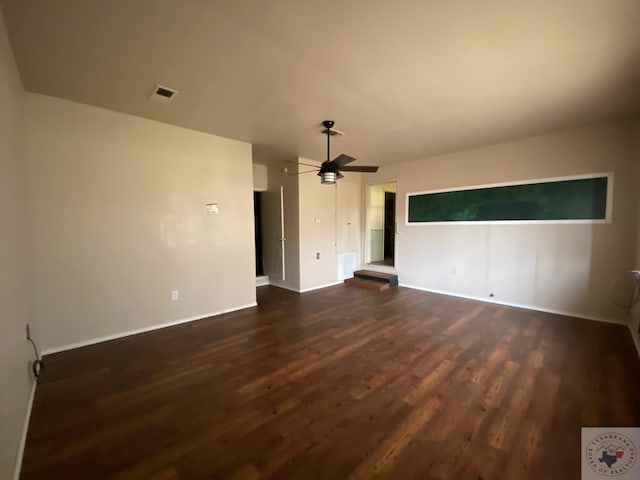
x: 276, y: 239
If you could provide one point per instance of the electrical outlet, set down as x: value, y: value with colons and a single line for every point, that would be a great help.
x: 175, y: 295
x: 317, y: 255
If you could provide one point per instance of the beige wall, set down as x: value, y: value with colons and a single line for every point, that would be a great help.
x: 277, y: 177
x: 15, y: 266
x: 326, y: 212
x: 376, y: 223
x: 349, y: 206
x: 376, y: 214
x: 557, y: 267
x: 317, y: 232
x: 260, y: 179
x: 119, y: 222
x: 337, y: 209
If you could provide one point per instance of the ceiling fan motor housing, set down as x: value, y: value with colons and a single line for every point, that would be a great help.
x: 330, y: 169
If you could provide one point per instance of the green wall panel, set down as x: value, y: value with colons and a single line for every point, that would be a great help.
x: 579, y: 199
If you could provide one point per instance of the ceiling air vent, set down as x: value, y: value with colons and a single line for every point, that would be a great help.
x: 162, y: 94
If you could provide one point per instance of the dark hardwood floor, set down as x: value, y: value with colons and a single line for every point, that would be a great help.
x: 337, y: 383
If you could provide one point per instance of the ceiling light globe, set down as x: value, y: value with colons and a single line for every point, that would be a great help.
x: 328, y: 178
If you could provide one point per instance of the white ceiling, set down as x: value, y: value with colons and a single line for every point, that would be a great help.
x: 404, y: 79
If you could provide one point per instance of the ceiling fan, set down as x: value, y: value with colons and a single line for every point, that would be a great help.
x: 330, y: 169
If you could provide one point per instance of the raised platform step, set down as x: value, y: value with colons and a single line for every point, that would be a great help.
x: 370, y: 284
x: 389, y: 278
x: 372, y: 280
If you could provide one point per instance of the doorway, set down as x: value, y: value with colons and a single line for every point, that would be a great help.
x: 273, y: 240
x: 382, y: 224
x: 389, y: 227
x: 257, y: 222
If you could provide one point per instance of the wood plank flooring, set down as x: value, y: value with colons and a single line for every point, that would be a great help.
x: 337, y: 383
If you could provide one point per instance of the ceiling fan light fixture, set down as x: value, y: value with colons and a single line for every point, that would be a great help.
x: 330, y: 169
x: 328, y: 178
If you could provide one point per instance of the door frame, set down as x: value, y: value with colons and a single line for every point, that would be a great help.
x: 366, y: 248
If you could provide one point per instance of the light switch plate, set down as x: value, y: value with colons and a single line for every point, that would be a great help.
x: 212, y: 209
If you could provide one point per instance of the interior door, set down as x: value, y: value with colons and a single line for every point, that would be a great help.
x: 273, y: 240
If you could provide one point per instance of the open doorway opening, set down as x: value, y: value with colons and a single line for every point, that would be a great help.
x: 382, y: 224
x: 257, y: 221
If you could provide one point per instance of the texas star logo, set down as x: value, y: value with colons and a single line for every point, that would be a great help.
x: 611, y: 454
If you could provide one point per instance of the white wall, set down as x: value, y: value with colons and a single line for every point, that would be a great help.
x: 15, y: 264
x: 558, y: 267
x: 119, y: 221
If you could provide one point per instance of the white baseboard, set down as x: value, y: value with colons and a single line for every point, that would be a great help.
x: 262, y: 280
x: 291, y: 289
x: 106, y: 338
x: 310, y: 289
x: 518, y: 305
x: 321, y: 286
x: 25, y: 430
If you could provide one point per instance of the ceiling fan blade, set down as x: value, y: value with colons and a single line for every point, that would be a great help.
x: 300, y: 173
x: 360, y: 168
x: 342, y: 159
x: 308, y: 165
x: 339, y: 176
x: 293, y: 162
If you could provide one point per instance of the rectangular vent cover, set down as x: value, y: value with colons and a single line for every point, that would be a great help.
x: 162, y: 94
